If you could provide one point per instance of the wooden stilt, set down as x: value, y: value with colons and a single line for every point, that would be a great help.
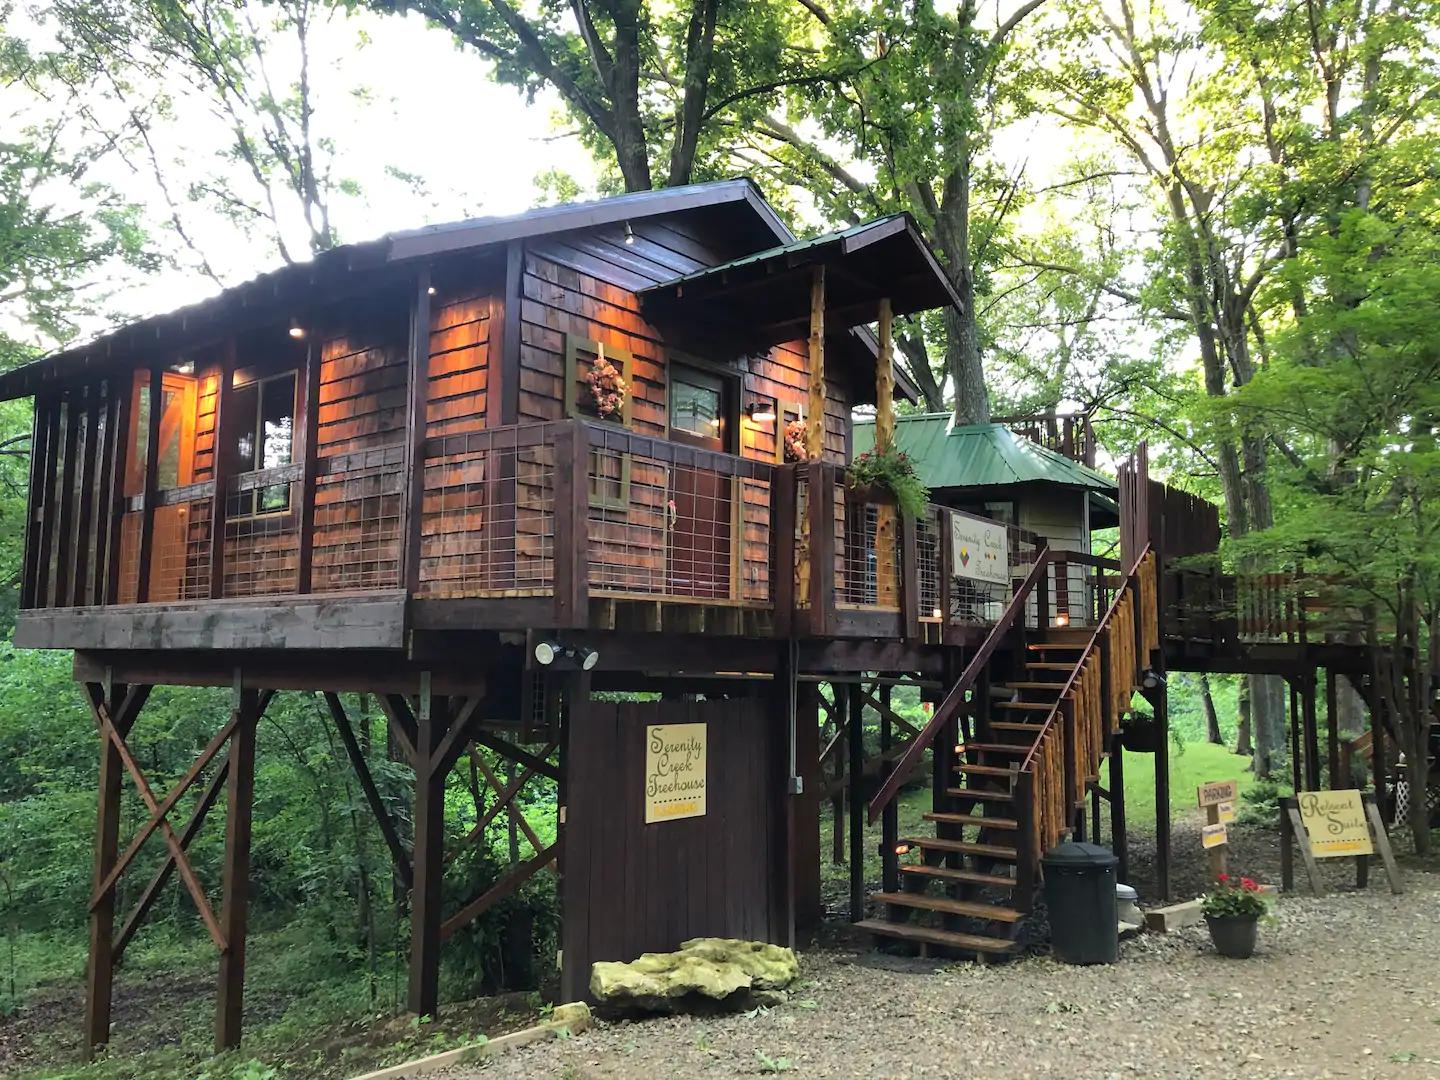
x: 1332, y: 726
x: 1297, y: 772
x: 806, y: 829
x: 886, y: 582
x: 1160, y: 701
x: 101, y: 973
x: 424, y: 992
x: 1118, y: 839
x: 857, y: 803
x: 890, y: 818
x: 815, y: 414
x: 1308, y: 687
x: 786, y: 718
x: 234, y: 889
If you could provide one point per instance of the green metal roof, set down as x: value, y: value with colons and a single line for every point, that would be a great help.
x: 979, y: 455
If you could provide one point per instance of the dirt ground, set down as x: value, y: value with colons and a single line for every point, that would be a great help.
x: 1344, y: 986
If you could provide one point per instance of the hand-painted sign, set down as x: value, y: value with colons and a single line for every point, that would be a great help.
x: 1227, y: 812
x: 982, y: 550
x: 1335, y: 823
x: 674, y: 772
x: 1213, y: 836
x: 1217, y: 792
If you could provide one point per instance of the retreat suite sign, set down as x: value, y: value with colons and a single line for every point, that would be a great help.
x: 981, y: 549
x: 674, y: 772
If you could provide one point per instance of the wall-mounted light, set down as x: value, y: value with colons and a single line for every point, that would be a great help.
x: 902, y: 849
x: 1150, y: 679
x: 297, y: 331
x: 629, y: 234
x: 588, y: 658
x: 430, y: 291
x: 760, y: 412
x: 570, y: 657
x: 187, y: 368
x: 936, y: 614
x: 1062, y: 619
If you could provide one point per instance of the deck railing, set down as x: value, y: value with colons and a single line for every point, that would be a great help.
x: 1065, y: 433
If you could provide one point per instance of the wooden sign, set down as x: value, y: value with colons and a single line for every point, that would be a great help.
x: 1217, y: 792
x: 981, y: 549
x: 1335, y: 823
x: 1213, y: 836
x: 1227, y: 812
x: 674, y: 772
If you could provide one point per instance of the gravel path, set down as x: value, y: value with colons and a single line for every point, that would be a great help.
x: 1347, y: 986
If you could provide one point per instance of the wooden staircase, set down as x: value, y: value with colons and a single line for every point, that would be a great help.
x: 1011, y: 778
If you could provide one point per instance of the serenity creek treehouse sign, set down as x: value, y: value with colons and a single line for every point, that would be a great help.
x: 674, y: 772
x: 981, y: 550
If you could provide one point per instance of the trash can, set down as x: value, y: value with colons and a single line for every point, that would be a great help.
x: 1080, y: 897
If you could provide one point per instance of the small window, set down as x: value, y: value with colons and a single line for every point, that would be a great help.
x: 264, y: 438
x: 699, y: 408
x: 609, y: 480
x: 581, y: 357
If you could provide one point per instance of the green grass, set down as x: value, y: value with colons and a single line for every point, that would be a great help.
x: 1200, y: 763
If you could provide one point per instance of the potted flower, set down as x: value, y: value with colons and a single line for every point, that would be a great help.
x: 795, y: 441
x: 1233, y: 911
x: 607, y: 390
x: 1139, y: 733
x: 892, y: 470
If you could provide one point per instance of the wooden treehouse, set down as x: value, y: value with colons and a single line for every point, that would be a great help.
x: 486, y: 471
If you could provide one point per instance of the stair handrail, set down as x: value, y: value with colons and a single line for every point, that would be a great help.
x: 1102, y: 626
x: 946, y: 710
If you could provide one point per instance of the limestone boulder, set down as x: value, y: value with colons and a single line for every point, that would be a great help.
x: 704, y: 971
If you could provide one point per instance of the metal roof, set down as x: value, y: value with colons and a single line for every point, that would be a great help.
x: 979, y: 455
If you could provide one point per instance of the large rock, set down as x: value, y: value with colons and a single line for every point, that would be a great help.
x: 704, y: 970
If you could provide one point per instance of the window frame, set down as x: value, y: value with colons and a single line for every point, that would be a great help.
x: 574, y: 345
x: 232, y: 432
x: 732, y: 385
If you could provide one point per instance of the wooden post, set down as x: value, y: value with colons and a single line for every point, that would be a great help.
x: 419, y: 376
x: 74, y: 420
x: 220, y: 472
x: 115, y: 504
x: 1118, y: 840
x: 890, y: 817
x: 152, y: 482
x: 815, y: 414
x: 820, y: 516
x: 837, y: 800
x: 885, y: 577
x: 50, y: 469
x: 79, y: 595
x: 572, y: 527
x: 806, y: 826
x: 786, y: 718
x: 104, y: 503
x: 310, y: 456
x: 782, y: 519
x: 857, y: 803
x: 100, y: 976
x: 1217, y: 854
x: 234, y: 912
x: 1332, y: 728
x: 1160, y: 701
x: 424, y: 991
x: 1297, y: 772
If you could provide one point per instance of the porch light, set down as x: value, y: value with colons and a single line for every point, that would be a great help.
x: 760, y: 413
x: 588, y: 658
x: 1062, y: 619
x: 297, y: 331
x: 935, y: 614
x: 902, y: 849
x: 430, y: 291
x: 187, y: 368
x: 545, y: 653
x: 959, y: 748
x: 1150, y: 679
x: 629, y: 234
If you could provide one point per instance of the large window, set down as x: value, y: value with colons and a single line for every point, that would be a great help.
x: 264, y: 438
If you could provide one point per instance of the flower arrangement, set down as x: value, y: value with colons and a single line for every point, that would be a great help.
x: 795, y: 441
x: 607, y: 389
x: 891, y: 469
x: 1230, y: 899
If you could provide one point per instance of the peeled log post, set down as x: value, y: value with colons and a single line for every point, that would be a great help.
x: 885, y: 577
x: 815, y: 416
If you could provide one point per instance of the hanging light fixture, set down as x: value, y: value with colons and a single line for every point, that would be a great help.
x: 296, y: 330
x: 629, y: 234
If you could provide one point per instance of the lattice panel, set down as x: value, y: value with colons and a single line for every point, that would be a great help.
x: 357, y: 529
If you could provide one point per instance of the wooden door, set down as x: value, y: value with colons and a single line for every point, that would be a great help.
x: 699, y: 553
x: 174, y: 529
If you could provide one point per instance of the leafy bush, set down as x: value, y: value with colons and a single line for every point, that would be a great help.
x: 1260, y: 804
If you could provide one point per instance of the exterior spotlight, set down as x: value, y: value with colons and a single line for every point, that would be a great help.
x: 936, y: 613
x: 546, y: 652
x: 297, y: 331
x: 760, y: 413
x: 588, y: 658
x: 1150, y: 679
x: 430, y: 291
x: 1062, y: 619
x: 629, y: 234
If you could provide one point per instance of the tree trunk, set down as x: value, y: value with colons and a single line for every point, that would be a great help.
x: 1212, y: 721
x: 1243, y: 744
x: 1267, y: 715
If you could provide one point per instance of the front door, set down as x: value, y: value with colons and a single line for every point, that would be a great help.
x: 698, y: 559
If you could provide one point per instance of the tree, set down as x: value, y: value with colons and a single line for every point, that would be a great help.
x: 663, y: 90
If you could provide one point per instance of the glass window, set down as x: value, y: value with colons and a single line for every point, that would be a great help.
x: 264, y: 439
x: 695, y: 409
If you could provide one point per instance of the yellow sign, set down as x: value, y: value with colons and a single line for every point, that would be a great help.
x: 1227, y: 812
x: 1217, y: 792
x: 674, y: 772
x: 1335, y: 823
x: 1213, y: 836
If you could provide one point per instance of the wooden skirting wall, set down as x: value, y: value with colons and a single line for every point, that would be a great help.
x: 633, y: 888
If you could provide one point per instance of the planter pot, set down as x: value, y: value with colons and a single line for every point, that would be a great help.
x: 1141, y: 737
x: 1234, y: 935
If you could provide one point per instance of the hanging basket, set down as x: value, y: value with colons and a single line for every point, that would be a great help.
x: 1140, y: 734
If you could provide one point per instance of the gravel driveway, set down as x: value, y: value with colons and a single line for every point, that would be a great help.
x: 1347, y: 986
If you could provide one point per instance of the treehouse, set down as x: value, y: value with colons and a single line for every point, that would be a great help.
x: 486, y: 471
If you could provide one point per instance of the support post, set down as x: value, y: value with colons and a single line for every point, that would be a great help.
x: 235, y: 883
x: 1308, y: 689
x: 890, y: 816
x: 857, y: 803
x: 220, y: 473
x: 1332, y: 727
x: 424, y: 991
x: 1160, y: 702
x: 783, y: 769
x: 419, y: 376
x: 815, y: 413
x: 885, y: 576
x: 1297, y: 772
x: 837, y: 801
x: 152, y: 484
x: 1118, y: 840
x: 806, y: 827
x: 100, y: 977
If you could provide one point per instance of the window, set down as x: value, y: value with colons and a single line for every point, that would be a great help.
x: 700, y: 406
x: 264, y: 438
x: 581, y: 356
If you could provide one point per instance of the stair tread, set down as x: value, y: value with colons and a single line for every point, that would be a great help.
x: 972, y: 819
x: 964, y: 877
x: 983, y: 794
x: 983, y: 770
x: 932, y: 936
x: 1030, y: 706
x: 998, y: 748
x: 1048, y: 665
x: 1014, y: 725
x: 945, y: 904
x: 1034, y: 686
x: 1076, y: 645
x: 961, y: 847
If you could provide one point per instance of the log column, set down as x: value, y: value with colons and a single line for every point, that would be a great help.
x: 430, y: 727
x: 815, y: 416
x: 885, y: 576
x: 234, y: 913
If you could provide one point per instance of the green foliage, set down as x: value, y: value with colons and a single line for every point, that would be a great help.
x: 892, y: 470
x: 767, y: 1064
x: 1233, y: 897
x: 1260, y: 804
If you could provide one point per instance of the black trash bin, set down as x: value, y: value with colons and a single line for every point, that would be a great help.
x: 1080, y: 897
